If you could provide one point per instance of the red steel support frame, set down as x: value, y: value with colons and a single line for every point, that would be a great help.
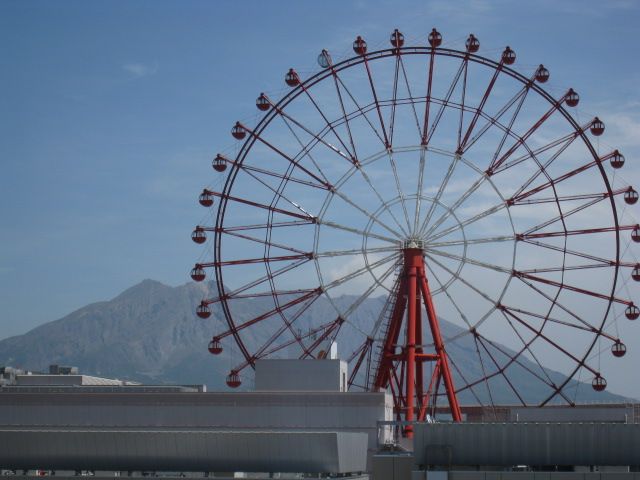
x: 413, y: 291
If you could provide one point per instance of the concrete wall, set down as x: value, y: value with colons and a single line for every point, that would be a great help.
x: 301, y: 375
x: 507, y: 444
x: 260, y: 451
x: 318, y: 411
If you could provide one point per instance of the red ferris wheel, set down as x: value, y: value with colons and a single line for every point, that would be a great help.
x: 448, y: 221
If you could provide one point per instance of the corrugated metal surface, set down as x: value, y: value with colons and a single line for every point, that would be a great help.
x: 331, y: 411
x: 621, y: 413
x: 180, y: 450
x: 468, y: 475
x: 503, y: 444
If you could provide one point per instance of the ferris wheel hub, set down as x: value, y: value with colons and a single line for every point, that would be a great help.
x: 413, y: 243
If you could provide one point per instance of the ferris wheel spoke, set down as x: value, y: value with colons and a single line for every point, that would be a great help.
x: 523, y: 138
x: 396, y: 73
x: 572, y: 288
x: 361, y: 110
x: 249, y: 261
x: 305, y: 152
x: 265, y: 278
x: 278, y: 193
x: 399, y: 190
x: 251, y: 169
x: 499, y: 369
x: 472, y: 241
x: 285, y: 306
x: 562, y: 217
x: 326, y: 120
x: 464, y: 379
x: 331, y: 331
x: 469, y: 260
x: 468, y: 221
x: 494, y: 120
x: 564, y: 233
x: 357, y: 231
x: 584, y: 325
x: 526, y: 346
x: 383, y: 203
x: 418, y: 195
x: 520, y: 196
x: 268, y: 348
x: 259, y: 226
x: 366, y: 294
x: 512, y: 121
x: 462, y: 145
x: 563, y: 143
x: 474, y: 186
x: 364, y: 211
x: 412, y: 103
x: 288, y: 324
x: 286, y: 157
x: 485, y: 375
x: 377, y: 103
x: 586, y: 266
x: 427, y: 104
x: 445, y: 103
x: 514, y: 359
x: 355, y: 251
x: 439, y: 193
x: 441, y: 286
x: 553, y: 301
x: 278, y: 304
x: 540, y: 334
x: 270, y: 293
x: 344, y: 111
x: 356, y: 273
x: 264, y: 242
x: 571, y: 198
x: 271, y: 208
x: 603, y: 262
x: 316, y: 137
x: 461, y: 279
x: 463, y: 99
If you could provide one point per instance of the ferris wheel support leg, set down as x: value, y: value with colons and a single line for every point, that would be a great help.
x: 419, y: 350
x: 410, y: 381
x: 440, y: 350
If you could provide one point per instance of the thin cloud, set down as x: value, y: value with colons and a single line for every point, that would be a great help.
x: 139, y: 70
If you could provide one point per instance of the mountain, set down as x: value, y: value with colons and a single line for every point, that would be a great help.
x: 149, y: 333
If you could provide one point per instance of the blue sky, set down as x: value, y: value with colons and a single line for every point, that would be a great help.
x: 110, y: 113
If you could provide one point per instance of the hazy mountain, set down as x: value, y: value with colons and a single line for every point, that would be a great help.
x: 149, y: 333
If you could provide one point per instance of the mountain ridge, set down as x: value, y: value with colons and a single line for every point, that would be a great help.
x: 149, y: 333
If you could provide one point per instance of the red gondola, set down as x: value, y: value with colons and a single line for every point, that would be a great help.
x: 397, y: 39
x: 617, y: 159
x: 597, y: 127
x: 435, y: 38
x: 508, y: 56
x: 203, y: 310
x: 233, y: 380
x: 542, y: 74
x: 472, y: 44
x: 360, y: 46
x: 572, y: 98
x: 198, y: 274
x: 206, y: 198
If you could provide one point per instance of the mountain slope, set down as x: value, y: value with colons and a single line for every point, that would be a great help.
x: 150, y: 334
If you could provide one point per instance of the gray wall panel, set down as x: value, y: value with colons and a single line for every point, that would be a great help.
x: 529, y: 444
x: 336, y: 452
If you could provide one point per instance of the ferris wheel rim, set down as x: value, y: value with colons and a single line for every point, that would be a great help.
x: 348, y: 63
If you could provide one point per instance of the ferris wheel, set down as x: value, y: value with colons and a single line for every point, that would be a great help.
x: 451, y: 224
